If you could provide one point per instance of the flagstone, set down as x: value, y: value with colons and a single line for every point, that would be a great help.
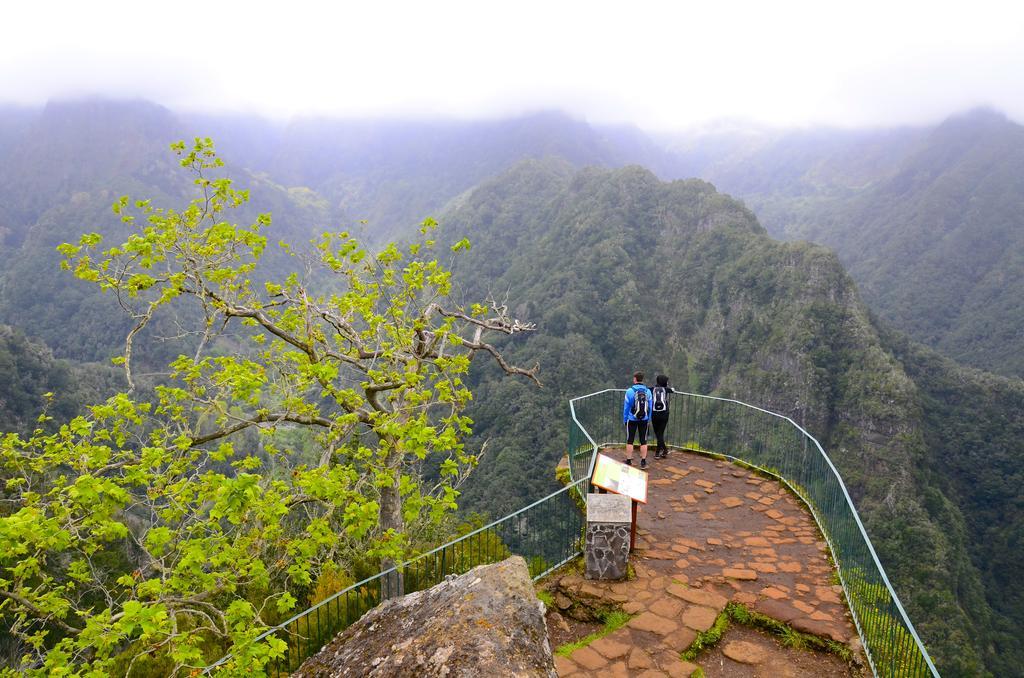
x: 565, y: 666
x: 763, y: 568
x: 744, y: 597
x: 672, y: 665
x: 609, y: 648
x: 699, y: 596
x: 699, y: 618
x: 826, y: 595
x: 639, y: 660
x: 736, y: 573
x: 772, y: 592
x: 648, y: 621
x: 589, y: 659
x: 744, y: 652
x: 706, y: 484
x: 617, y: 670
x: 633, y: 607
x: 819, y: 628
x: 680, y: 640
x: 777, y: 609
x: 667, y: 607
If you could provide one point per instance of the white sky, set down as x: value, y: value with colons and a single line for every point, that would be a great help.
x: 659, y: 65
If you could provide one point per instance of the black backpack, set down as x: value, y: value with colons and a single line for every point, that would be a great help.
x: 640, y: 404
x: 660, y: 399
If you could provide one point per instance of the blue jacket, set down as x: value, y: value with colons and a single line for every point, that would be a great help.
x: 627, y: 407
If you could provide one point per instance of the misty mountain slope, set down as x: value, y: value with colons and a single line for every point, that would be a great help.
x: 974, y: 428
x: 622, y: 271
x: 62, y: 166
x: 394, y: 173
x: 58, y: 178
x: 938, y: 247
x: 928, y: 221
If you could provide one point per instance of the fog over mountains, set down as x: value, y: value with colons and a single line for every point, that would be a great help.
x: 851, y: 279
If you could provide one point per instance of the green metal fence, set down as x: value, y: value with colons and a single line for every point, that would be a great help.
x: 779, y: 446
x: 547, y: 533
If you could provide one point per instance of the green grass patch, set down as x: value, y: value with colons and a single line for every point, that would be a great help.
x: 788, y: 636
x: 546, y: 598
x: 706, y: 639
x: 613, y: 621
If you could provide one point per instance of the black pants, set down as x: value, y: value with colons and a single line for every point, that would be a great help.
x: 660, y: 420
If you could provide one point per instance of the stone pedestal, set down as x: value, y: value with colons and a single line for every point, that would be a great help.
x: 609, y: 517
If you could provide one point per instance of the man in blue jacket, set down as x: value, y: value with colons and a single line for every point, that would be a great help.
x: 636, y: 413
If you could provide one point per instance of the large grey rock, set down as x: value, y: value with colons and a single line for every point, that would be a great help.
x: 487, y: 622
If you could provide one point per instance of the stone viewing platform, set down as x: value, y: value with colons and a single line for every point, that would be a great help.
x: 714, y: 533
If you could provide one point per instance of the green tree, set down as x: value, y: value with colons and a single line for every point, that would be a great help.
x: 171, y: 528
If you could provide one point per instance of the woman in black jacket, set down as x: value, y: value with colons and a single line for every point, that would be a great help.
x: 659, y: 413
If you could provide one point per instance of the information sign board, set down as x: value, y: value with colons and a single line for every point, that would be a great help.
x: 614, y: 476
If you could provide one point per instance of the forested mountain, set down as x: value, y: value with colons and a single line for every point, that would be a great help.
x: 28, y: 371
x: 60, y: 172
x: 622, y: 271
x: 61, y: 167
x: 928, y: 221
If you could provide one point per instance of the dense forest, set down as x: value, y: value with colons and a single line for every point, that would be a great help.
x: 620, y: 271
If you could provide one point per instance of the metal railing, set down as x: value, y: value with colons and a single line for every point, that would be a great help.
x: 549, y: 532
x: 777, y: 445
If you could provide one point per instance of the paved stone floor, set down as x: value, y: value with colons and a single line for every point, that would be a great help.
x: 714, y: 532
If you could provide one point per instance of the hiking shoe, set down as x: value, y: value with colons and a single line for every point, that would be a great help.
x: 643, y: 463
x: 629, y: 462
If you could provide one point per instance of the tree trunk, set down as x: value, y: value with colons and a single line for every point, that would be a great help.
x: 390, y: 518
